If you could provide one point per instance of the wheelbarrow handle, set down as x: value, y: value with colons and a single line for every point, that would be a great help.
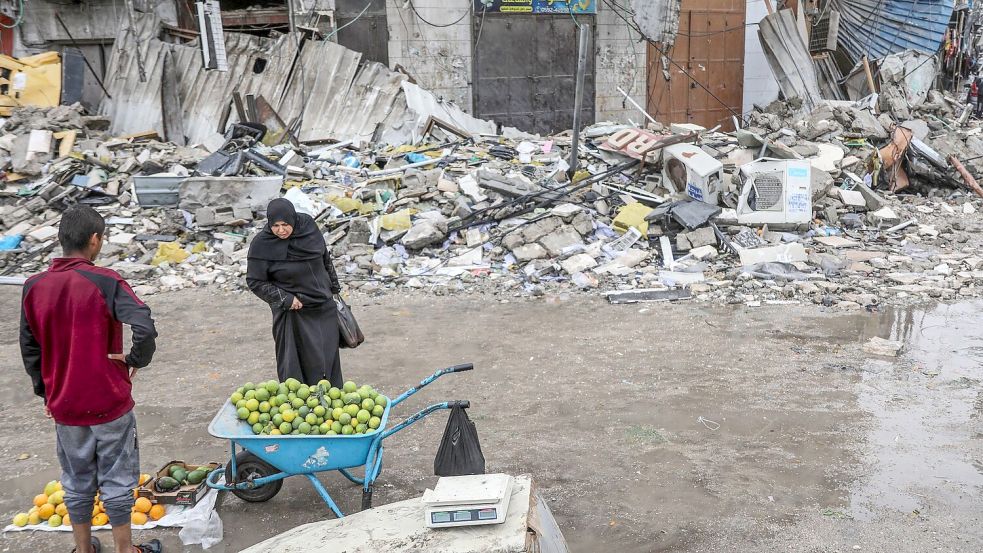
x: 426, y: 381
x: 462, y: 403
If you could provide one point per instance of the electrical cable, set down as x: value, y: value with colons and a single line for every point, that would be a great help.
x: 360, y: 14
x: 20, y: 17
x: 466, y: 13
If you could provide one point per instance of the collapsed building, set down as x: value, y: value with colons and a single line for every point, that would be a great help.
x: 856, y: 188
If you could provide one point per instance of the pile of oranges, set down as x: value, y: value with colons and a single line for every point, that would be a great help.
x: 49, y: 507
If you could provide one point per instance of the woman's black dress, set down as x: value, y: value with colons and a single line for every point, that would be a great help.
x: 300, y: 266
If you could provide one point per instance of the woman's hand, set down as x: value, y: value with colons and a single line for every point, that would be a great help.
x: 296, y: 305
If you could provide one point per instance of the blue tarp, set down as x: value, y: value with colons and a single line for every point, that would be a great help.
x: 876, y: 28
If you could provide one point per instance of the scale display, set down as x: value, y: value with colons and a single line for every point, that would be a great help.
x: 468, y: 515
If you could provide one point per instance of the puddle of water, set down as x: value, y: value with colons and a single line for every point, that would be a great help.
x: 924, y: 408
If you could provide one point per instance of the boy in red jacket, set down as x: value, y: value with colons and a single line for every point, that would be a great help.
x: 71, y: 339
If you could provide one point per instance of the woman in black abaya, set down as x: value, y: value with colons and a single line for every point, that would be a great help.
x: 289, y: 267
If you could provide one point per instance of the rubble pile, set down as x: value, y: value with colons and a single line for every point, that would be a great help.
x: 649, y: 214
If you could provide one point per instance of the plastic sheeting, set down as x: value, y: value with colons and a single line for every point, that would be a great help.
x: 789, y: 58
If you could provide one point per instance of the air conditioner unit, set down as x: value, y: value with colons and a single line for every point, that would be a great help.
x: 826, y: 32
x: 687, y: 168
x: 775, y: 192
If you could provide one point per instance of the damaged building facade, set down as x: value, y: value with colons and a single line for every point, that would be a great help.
x: 684, y: 61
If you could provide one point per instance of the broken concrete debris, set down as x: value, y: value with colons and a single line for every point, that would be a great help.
x: 848, y: 204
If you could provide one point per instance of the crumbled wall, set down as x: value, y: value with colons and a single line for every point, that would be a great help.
x: 620, y: 61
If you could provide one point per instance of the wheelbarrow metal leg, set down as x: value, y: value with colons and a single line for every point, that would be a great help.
x: 352, y: 477
x: 324, y: 495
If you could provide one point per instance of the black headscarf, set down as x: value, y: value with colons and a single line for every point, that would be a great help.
x: 306, y: 242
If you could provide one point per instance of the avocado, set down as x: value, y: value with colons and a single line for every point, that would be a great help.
x: 196, y: 476
x: 175, y: 467
x: 180, y: 475
x: 166, y: 484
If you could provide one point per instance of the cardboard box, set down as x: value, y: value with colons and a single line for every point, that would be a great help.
x: 188, y: 495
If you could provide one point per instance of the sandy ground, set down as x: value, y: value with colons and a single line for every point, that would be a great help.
x: 648, y: 427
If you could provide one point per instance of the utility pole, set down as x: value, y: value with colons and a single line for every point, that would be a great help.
x: 579, y: 96
x: 290, y: 16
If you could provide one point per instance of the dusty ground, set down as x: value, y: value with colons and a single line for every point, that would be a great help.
x: 613, y: 409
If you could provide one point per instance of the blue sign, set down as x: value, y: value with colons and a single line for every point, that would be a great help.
x: 536, y: 7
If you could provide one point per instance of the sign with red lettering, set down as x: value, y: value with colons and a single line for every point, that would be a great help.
x: 633, y: 142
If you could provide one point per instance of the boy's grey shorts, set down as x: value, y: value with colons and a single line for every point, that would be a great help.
x: 103, y: 458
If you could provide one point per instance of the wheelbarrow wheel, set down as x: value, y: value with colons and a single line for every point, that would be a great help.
x: 252, y: 467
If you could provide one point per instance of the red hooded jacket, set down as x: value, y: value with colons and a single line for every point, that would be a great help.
x: 71, y: 320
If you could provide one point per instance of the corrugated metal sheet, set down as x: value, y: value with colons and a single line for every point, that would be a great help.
x: 318, y: 92
x: 326, y: 87
x: 881, y: 27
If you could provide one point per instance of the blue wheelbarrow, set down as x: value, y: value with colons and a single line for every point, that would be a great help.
x: 256, y: 473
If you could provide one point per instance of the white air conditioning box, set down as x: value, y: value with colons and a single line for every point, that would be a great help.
x: 775, y: 192
x: 687, y: 168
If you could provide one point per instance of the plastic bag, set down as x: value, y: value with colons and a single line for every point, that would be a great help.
x: 171, y: 252
x: 459, y: 453
x: 351, y: 334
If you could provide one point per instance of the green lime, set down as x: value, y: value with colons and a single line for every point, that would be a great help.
x: 282, y: 398
x: 324, y: 428
x: 297, y: 402
x: 381, y: 400
x: 315, y: 431
x: 275, y: 410
x: 264, y: 407
x: 344, y: 419
x: 374, y: 422
x: 252, y: 404
x: 285, y: 428
x: 349, y: 386
x: 334, y: 393
x: 243, y: 413
x: 278, y: 419
x: 336, y: 426
x: 303, y: 411
x: 292, y: 384
x: 253, y: 417
x: 304, y: 392
x: 304, y: 428
x: 335, y: 403
x: 257, y: 428
x: 378, y: 410
x: 331, y: 433
x: 319, y: 410
x: 288, y: 415
x: 336, y: 413
x: 240, y: 404
x: 264, y: 418
x: 282, y: 389
x: 311, y: 418
x: 235, y: 398
x: 262, y: 394
x: 363, y: 416
x: 361, y: 428
x: 250, y: 394
x: 313, y: 402
x: 352, y: 409
x: 297, y: 422
x: 347, y: 430
x: 368, y: 404
x: 248, y: 386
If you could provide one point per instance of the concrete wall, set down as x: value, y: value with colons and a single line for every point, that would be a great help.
x: 439, y: 58
x: 760, y: 86
x: 620, y: 62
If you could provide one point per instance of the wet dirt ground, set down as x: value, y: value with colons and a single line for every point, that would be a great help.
x: 647, y: 428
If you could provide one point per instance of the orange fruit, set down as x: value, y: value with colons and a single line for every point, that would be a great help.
x: 40, y: 499
x: 144, y: 478
x: 61, y: 510
x: 100, y: 519
x: 136, y: 493
x: 65, y: 520
x: 45, y: 511
x: 156, y: 512
x: 138, y: 519
x: 95, y: 510
x: 142, y: 505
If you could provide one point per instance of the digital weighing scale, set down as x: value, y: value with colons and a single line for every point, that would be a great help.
x: 468, y: 500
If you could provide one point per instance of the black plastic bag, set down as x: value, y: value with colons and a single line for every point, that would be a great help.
x: 459, y: 453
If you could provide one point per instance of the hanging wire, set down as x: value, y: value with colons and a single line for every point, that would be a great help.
x: 459, y: 19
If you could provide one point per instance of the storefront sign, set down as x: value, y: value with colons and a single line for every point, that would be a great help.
x: 537, y: 7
